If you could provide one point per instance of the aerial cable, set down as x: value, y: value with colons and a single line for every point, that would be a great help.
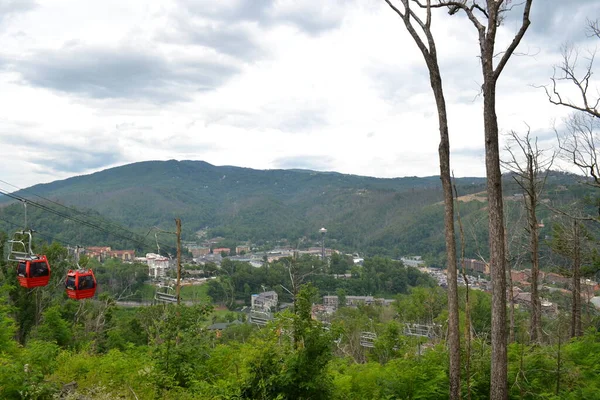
x: 52, y: 238
x: 59, y: 204
x: 86, y: 223
x: 98, y: 219
x: 157, y: 231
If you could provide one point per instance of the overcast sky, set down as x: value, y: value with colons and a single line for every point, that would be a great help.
x: 334, y: 85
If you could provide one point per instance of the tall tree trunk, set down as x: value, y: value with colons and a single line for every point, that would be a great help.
x: 451, y: 271
x: 499, y: 370
x: 536, y: 306
x: 576, y: 303
x: 428, y: 49
x: 511, y: 296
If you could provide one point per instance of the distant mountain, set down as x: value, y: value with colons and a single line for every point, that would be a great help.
x: 373, y: 215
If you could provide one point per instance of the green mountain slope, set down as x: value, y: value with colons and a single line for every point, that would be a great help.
x: 394, y: 216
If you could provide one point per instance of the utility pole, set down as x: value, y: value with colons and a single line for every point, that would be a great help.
x: 178, y: 233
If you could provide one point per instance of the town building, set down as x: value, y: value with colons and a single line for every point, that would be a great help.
x: 219, y: 250
x: 102, y: 253
x: 199, y: 251
x: 355, y: 301
x: 157, y: 265
x: 318, y: 250
x: 242, y: 249
x: 97, y: 252
x: 123, y: 255
x: 264, y: 301
x: 412, y: 261
x: 474, y: 265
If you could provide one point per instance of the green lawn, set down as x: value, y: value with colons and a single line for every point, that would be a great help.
x: 197, y: 293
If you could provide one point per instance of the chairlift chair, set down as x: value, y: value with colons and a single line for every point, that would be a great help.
x: 33, y: 270
x: 20, y: 247
x: 165, y: 296
x: 80, y: 284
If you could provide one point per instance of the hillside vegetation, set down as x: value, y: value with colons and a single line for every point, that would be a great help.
x: 399, y: 216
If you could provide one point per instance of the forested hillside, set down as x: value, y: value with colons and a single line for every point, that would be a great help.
x: 396, y: 217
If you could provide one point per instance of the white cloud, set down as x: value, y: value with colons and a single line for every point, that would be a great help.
x: 335, y: 85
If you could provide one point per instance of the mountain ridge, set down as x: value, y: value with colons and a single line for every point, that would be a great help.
x: 393, y: 216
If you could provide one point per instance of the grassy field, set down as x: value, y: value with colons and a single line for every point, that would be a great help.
x: 196, y: 293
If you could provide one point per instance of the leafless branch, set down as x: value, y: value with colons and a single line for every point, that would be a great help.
x: 578, y: 145
x: 569, y: 215
x: 568, y: 70
x: 593, y: 28
x: 516, y: 40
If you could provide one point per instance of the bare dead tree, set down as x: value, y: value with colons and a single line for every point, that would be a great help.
x: 486, y: 16
x: 578, y: 145
x: 530, y: 166
x: 576, y: 68
x: 568, y: 240
x: 417, y: 26
x: 467, y: 302
x: 576, y: 290
x: 513, y: 257
x: 515, y: 254
x: 593, y: 28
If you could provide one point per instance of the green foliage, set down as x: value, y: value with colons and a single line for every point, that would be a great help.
x: 53, y: 328
x: 165, y: 352
x: 178, y: 342
x: 422, y: 305
x: 390, y: 344
x: 120, y: 279
x: 364, y: 214
x: 378, y: 277
x: 297, y: 371
x: 404, y: 378
x: 8, y: 327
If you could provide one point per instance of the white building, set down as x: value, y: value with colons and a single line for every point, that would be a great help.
x: 414, y: 261
x: 157, y: 265
x: 265, y: 301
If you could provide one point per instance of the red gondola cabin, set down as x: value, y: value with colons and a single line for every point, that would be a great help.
x: 33, y: 273
x: 80, y: 284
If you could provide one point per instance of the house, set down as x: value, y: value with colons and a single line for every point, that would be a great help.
x: 279, y: 253
x: 219, y: 250
x: 102, y: 253
x: 476, y: 265
x: 521, y: 276
x: 264, y: 301
x: 97, y: 252
x: 242, y: 249
x: 199, y: 251
x: 124, y: 255
x: 318, y: 250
